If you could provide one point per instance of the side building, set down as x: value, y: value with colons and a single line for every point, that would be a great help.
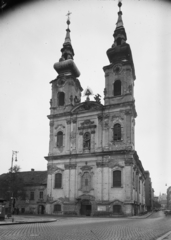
x: 34, y: 186
x: 169, y: 198
x: 93, y: 168
x: 149, y: 192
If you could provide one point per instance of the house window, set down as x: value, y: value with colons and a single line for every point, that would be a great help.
x: 58, y: 180
x: 86, y: 141
x: 86, y: 182
x: 117, y: 178
x: 117, y: 88
x: 41, y: 195
x: 117, y: 209
x: 31, y: 195
x: 57, y: 208
x: 60, y: 139
x: 117, y: 132
x: 61, y: 98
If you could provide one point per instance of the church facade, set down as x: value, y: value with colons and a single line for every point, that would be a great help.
x: 93, y: 168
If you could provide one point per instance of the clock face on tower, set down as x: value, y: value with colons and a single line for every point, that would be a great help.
x: 117, y: 68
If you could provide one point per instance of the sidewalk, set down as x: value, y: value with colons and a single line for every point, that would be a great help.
x: 166, y: 236
x: 142, y: 216
x: 23, y: 219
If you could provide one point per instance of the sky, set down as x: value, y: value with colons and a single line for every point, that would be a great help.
x: 31, y: 36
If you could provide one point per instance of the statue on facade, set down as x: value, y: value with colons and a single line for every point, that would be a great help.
x: 98, y: 98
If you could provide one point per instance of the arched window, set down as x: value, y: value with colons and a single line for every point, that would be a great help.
x: 57, y: 208
x: 117, y: 209
x: 117, y: 88
x: 61, y: 98
x: 60, y: 139
x: 86, y: 182
x: 86, y: 141
x: 117, y: 178
x: 117, y: 132
x: 58, y: 180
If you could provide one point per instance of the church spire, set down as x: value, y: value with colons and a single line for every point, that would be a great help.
x: 67, y: 50
x: 119, y: 33
x: 66, y: 63
x: 120, y: 51
x: 67, y: 38
x: 119, y: 22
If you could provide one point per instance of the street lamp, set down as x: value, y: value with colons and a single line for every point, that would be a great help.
x: 14, y: 154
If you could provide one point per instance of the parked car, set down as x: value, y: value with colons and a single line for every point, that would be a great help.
x: 156, y: 209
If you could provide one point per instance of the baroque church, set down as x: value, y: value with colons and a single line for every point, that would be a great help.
x: 93, y: 168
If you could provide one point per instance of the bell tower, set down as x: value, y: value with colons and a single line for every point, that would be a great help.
x: 119, y: 85
x: 120, y: 74
x: 66, y: 88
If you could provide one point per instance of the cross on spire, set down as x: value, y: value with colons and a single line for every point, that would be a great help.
x: 119, y: 5
x: 69, y: 13
x: 68, y: 20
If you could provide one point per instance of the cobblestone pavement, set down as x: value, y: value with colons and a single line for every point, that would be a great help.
x: 91, y: 229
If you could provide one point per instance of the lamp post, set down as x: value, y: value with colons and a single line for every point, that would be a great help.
x: 14, y: 154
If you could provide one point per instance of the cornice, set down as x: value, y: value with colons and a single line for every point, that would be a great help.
x: 103, y: 108
x: 85, y: 155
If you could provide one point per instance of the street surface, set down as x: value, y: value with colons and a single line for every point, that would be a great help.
x: 87, y: 228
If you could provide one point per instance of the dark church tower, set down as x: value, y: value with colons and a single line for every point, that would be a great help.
x: 66, y: 88
x: 119, y: 82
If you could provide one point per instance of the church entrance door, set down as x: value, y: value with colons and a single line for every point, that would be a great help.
x: 85, y: 208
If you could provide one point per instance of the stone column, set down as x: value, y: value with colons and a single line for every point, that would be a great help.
x: 92, y: 140
x: 51, y: 142
x: 106, y: 131
x: 99, y: 132
x: 99, y: 181
x: 73, y: 136
x: 68, y: 131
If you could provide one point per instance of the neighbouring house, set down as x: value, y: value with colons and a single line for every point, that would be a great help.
x: 169, y: 198
x: 149, y: 192
x: 163, y: 200
x: 35, y: 187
